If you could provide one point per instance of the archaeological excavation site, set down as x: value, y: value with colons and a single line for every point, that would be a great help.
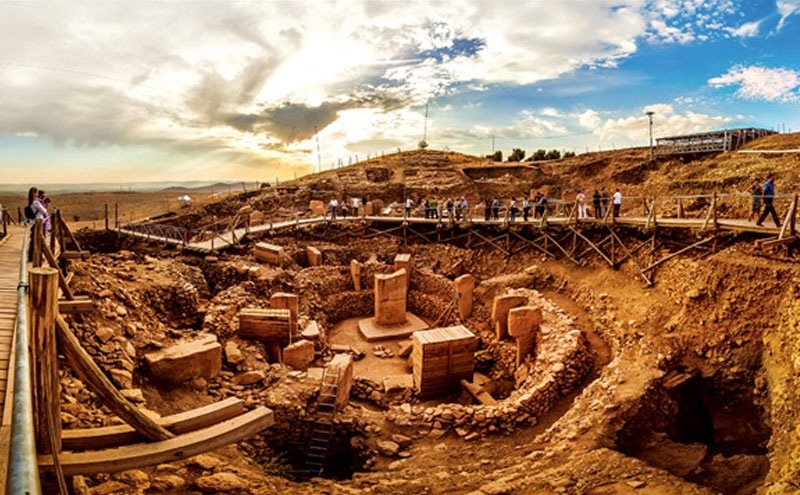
x: 258, y: 344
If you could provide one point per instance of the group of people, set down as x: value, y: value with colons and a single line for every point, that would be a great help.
x: 763, y: 194
x: 459, y: 207
x: 600, y: 203
x: 38, y: 202
x: 341, y: 207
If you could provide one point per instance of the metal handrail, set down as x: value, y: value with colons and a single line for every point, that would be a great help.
x: 23, y: 469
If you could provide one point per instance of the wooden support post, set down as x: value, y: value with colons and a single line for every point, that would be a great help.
x: 62, y: 281
x: 92, y: 376
x: 629, y: 254
x: 44, y: 358
x: 680, y: 207
x: 106, y: 215
x: 679, y: 252
x: 60, y: 231
x: 54, y: 228
x: 38, y: 242
x: 788, y: 220
x: 116, y: 216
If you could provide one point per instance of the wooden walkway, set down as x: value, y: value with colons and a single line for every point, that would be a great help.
x: 228, y: 239
x: 10, y: 252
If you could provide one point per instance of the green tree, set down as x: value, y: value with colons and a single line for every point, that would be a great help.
x: 553, y: 155
x: 497, y: 156
x: 517, y: 155
x: 539, y: 155
x: 568, y: 154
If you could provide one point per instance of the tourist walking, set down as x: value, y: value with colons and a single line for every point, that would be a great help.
x: 769, y: 196
x: 434, y: 208
x: 605, y: 200
x: 463, y: 207
x: 449, y: 206
x: 617, y: 199
x: 30, y: 213
x: 596, y: 198
x: 334, y: 205
x: 409, y: 205
x: 512, y: 209
x: 755, y: 193
x: 541, y: 205
x: 356, y: 205
x: 40, y: 209
x: 487, y: 209
x: 496, y: 209
x: 580, y: 202
x: 426, y: 207
x: 526, y: 208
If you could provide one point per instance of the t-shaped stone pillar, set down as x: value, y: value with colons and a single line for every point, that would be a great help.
x: 500, y: 308
x: 283, y: 300
x: 523, y: 325
x: 403, y: 262
x: 391, y: 292
x: 464, y: 286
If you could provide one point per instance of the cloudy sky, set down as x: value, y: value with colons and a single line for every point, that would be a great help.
x: 134, y: 90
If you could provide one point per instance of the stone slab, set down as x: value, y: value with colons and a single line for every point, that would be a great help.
x: 395, y: 382
x: 186, y: 360
x: 371, y: 331
x: 314, y: 256
x: 299, y: 355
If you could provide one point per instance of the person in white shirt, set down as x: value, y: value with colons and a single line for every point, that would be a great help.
x: 617, y: 201
x: 580, y: 199
x: 356, y: 205
x: 409, y: 205
x: 334, y: 204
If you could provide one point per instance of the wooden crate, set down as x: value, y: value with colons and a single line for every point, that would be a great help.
x: 441, y: 358
x: 265, y: 324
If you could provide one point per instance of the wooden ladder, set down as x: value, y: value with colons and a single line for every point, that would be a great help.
x: 322, y: 428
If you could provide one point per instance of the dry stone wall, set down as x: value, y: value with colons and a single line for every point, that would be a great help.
x: 563, y: 361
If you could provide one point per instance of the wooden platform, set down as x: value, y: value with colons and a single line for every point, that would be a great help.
x: 10, y: 252
x: 226, y: 240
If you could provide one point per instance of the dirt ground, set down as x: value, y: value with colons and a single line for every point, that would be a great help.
x: 692, y: 387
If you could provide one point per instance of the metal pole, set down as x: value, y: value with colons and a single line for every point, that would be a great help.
x: 23, y: 468
x: 650, y: 117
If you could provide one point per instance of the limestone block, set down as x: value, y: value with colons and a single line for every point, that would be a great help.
x: 299, y: 354
x: 355, y: 272
x: 338, y: 379
x: 265, y: 324
x: 270, y: 253
x: 390, y: 298
x: 284, y: 300
x: 257, y: 218
x: 525, y: 344
x: 403, y: 262
x: 398, y: 382
x: 311, y: 331
x: 377, y: 207
x: 186, y: 360
x: 500, y: 309
x: 524, y: 320
x: 314, y: 256
x: 317, y: 207
x: 464, y: 285
x: 369, y: 209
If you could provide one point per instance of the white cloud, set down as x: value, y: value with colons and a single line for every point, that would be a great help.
x: 660, y: 108
x: 761, y: 83
x: 786, y: 8
x: 249, y: 82
x: 590, y: 119
x: 636, y: 128
x: 746, y: 30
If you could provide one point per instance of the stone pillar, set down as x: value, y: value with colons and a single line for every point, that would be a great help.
x: 403, y: 262
x: 338, y: 379
x: 283, y: 300
x: 464, y: 286
x: 369, y: 209
x: 355, y: 272
x: 270, y: 253
x: 500, y: 308
x: 523, y: 325
x: 314, y: 256
x: 317, y: 207
x: 390, y: 298
x: 299, y: 355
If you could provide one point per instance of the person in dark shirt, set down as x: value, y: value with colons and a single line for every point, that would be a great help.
x: 755, y: 192
x: 769, y: 196
x: 598, y: 211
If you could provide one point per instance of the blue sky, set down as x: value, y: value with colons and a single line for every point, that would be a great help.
x: 132, y: 91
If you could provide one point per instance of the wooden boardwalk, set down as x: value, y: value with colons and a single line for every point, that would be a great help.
x: 10, y: 252
x: 223, y: 241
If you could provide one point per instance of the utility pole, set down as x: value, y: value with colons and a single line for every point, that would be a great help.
x: 650, y: 114
x: 425, y: 128
x: 493, y: 145
x: 319, y: 156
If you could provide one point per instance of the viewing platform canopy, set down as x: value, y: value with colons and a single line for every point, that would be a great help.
x: 708, y: 142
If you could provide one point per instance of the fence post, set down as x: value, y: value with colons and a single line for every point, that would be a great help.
x: 116, y: 216
x: 44, y: 357
x: 106, y: 215
x: 38, y: 238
